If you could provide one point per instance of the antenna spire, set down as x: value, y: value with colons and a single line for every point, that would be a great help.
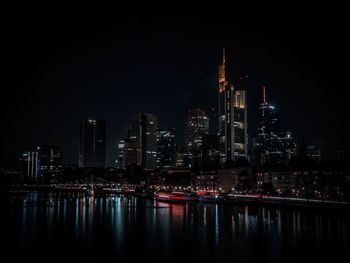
x: 223, y: 56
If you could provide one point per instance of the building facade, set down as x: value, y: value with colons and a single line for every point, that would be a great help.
x: 166, y: 148
x: 30, y: 165
x: 141, y: 141
x: 93, y: 146
x: 131, y: 153
x: 50, y: 159
x: 197, y: 125
x: 233, y: 121
x: 273, y: 144
x: 120, y: 155
x: 211, y: 150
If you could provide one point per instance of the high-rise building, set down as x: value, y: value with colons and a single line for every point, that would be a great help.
x: 273, y: 145
x: 131, y: 152
x: 212, y: 115
x: 240, y: 110
x: 196, y: 126
x: 166, y: 148
x: 50, y: 158
x: 269, y: 120
x: 120, y: 158
x: 141, y: 141
x: 132, y: 143
x: 148, y: 131
x: 233, y: 121
x: 30, y: 165
x: 211, y: 150
x: 93, y: 147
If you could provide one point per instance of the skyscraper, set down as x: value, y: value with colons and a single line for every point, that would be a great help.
x: 241, y: 119
x: 30, y: 165
x: 196, y: 126
x: 141, y: 141
x: 211, y: 150
x: 120, y: 157
x: 233, y: 121
x: 50, y: 158
x: 131, y: 152
x: 166, y: 148
x: 93, y: 148
x: 273, y: 145
x: 148, y: 131
x: 225, y: 114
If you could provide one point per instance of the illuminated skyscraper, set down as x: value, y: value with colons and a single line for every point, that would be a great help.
x: 30, y: 165
x: 233, y: 121
x: 141, y: 141
x: 120, y: 157
x: 131, y: 152
x: 166, y: 153
x: 196, y: 126
x: 148, y: 140
x: 93, y: 150
x: 273, y: 144
x: 210, y: 150
x: 50, y: 157
x: 240, y: 119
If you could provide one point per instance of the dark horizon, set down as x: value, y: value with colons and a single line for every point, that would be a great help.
x: 65, y: 66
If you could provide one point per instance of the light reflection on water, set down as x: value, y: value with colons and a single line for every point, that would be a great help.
x: 121, y: 227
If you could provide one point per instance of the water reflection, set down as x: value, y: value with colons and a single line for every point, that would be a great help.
x: 122, y: 227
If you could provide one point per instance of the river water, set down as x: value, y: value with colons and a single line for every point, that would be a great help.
x: 50, y: 227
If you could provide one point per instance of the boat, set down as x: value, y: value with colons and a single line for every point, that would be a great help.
x: 176, y: 196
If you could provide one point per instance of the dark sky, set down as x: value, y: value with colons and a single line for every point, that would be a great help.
x: 64, y: 64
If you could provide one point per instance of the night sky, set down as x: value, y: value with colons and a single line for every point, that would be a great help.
x: 64, y: 64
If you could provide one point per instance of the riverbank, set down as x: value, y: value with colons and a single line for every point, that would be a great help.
x: 232, y: 199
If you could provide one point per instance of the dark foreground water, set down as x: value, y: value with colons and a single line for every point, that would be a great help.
x: 59, y: 227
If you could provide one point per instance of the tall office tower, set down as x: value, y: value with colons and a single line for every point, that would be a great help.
x: 120, y: 155
x: 212, y: 115
x: 166, y: 148
x: 211, y: 150
x: 148, y: 140
x: 196, y: 126
x: 132, y: 143
x: 225, y: 114
x: 30, y: 165
x: 93, y: 147
x: 132, y: 153
x: 233, y: 121
x: 269, y: 119
x: 50, y: 157
x: 241, y: 119
x: 273, y: 144
x: 141, y: 141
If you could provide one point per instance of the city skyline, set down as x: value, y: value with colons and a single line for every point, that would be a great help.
x: 175, y: 134
x: 183, y: 74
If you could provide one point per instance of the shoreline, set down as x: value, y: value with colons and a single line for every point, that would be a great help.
x: 273, y: 201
